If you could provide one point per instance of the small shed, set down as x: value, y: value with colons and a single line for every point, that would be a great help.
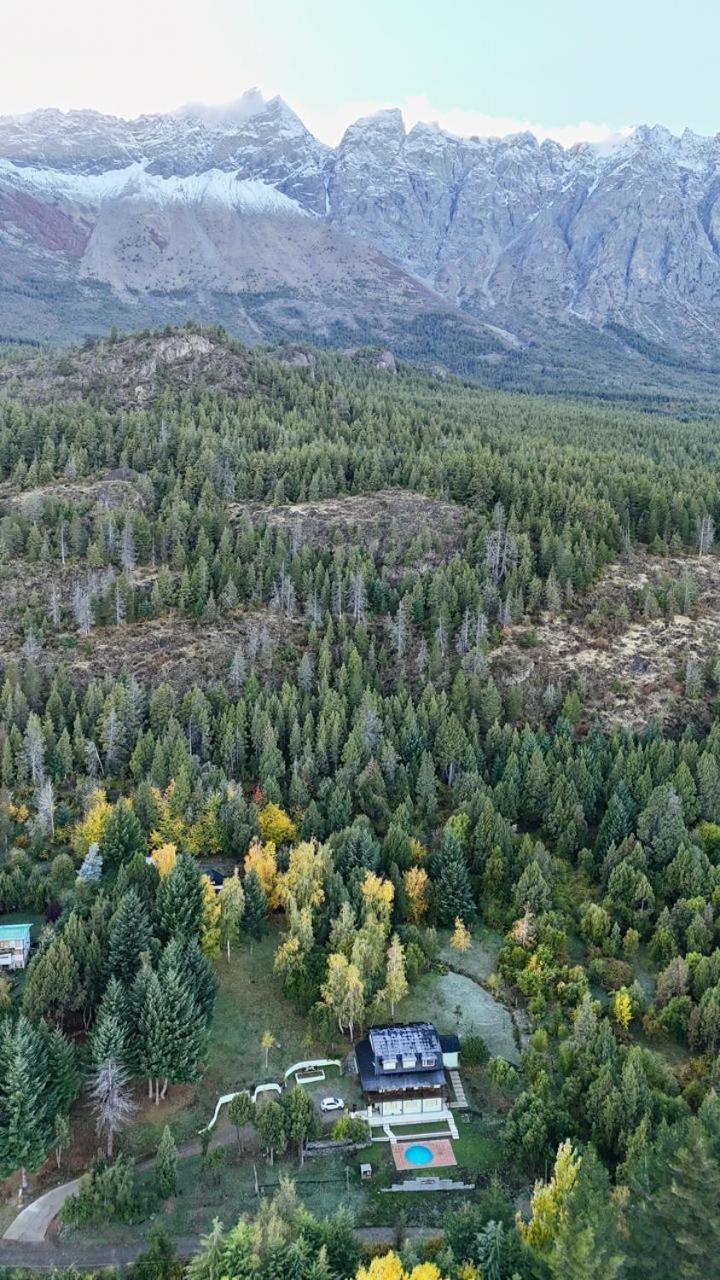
x: 450, y: 1046
x: 14, y: 945
x: 365, y: 1172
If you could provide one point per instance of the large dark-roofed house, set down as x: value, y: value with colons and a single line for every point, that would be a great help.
x: 401, y: 1070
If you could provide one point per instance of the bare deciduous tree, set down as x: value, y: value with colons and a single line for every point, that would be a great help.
x: 45, y: 821
x: 53, y: 609
x: 112, y: 1104
x: 34, y: 745
x: 127, y: 552
x: 706, y: 534
x: 238, y: 671
x: 358, y: 596
x: 82, y: 610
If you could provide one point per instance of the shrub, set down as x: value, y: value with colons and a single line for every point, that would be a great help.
x: 474, y: 1052
x: 351, y: 1129
x: 107, y: 1194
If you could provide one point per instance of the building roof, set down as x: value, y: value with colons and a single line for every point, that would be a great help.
x: 450, y: 1044
x: 14, y: 932
x: 374, y: 1081
x: 414, y: 1037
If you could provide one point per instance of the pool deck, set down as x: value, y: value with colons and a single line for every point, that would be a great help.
x: 443, y: 1155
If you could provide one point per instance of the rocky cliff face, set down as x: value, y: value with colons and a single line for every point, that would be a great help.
x: 243, y: 216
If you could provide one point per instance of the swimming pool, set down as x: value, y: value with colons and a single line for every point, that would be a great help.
x: 418, y: 1154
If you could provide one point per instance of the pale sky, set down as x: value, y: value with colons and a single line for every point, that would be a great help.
x: 568, y: 69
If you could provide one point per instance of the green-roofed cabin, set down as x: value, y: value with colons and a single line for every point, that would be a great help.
x: 14, y: 945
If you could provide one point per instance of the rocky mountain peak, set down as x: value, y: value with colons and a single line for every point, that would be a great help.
x: 508, y: 232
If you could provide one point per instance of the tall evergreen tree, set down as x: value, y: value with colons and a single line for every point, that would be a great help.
x: 25, y: 1120
x: 453, y: 893
x: 130, y: 937
x: 255, y: 921
x: 180, y: 901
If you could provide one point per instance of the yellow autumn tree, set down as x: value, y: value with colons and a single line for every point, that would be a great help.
x: 303, y: 881
x: 461, y: 939
x: 343, y: 992
x: 210, y: 919
x: 415, y: 884
x: 164, y: 859
x: 92, y: 828
x: 549, y: 1206
x: 205, y: 836
x: 170, y: 827
x: 267, y: 1042
x: 390, y: 1267
x: 418, y: 852
x: 276, y: 825
x: 261, y: 859
x: 291, y: 954
x: 623, y: 1008
x: 396, y: 983
x: 378, y: 895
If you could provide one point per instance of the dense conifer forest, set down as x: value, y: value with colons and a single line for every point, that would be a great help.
x: 258, y: 628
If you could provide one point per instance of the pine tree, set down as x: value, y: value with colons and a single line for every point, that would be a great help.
x: 300, y: 1118
x: 241, y: 1112
x: 180, y: 901
x: 196, y: 972
x: 210, y: 921
x: 674, y: 1228
x: 180, y: 1038
x: 255, y: 921
x: 426, y: 790
x: 122, y: 837
x: 130, y: 937
x: 111, y: 1034
x: 62, y: 1067
x: 453, y: 894
x: 25, y: 1122
x: 149, y: 1049
x: 166, y: 1162
x: 272, y: 1129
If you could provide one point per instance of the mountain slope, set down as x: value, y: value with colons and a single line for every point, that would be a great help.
x: 479, y: 252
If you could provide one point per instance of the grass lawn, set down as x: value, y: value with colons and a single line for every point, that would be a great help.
x: 477, y: 1149
x: 229, y: 1193
x: 480, y: 961
x: 456, y: 1004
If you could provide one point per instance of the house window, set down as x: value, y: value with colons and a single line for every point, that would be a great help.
x: 432, y: 1104
x: 428, y: 1060
x: 408, y: 1061
x: 389, y: 1064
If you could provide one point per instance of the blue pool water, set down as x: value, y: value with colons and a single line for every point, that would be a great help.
x: 418, y: 1154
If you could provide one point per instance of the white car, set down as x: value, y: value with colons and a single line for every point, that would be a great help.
x: 332, y: 1104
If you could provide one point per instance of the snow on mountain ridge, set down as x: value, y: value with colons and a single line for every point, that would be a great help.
x: 250, y: 195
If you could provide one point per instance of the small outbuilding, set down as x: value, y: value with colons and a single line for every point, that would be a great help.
x: 14, y: 945
x: 450, y: 1046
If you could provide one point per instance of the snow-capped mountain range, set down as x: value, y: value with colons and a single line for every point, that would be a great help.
x: 240, y: 214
